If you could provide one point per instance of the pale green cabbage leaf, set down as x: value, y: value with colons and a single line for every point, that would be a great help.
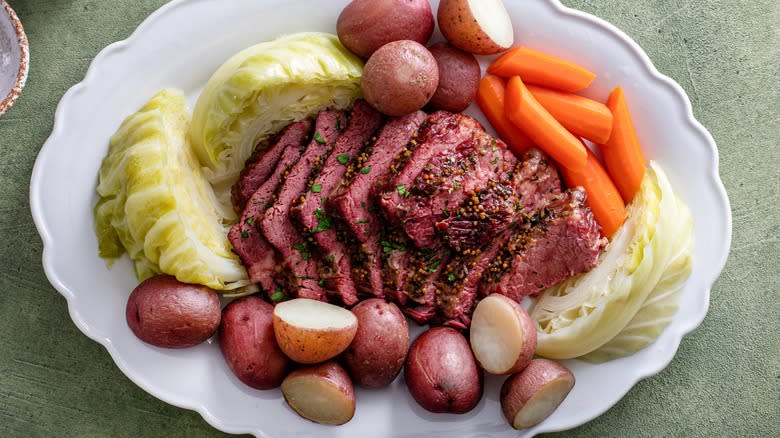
x: 156, y: 204
x: 264, y: 88
x: 584, y: 312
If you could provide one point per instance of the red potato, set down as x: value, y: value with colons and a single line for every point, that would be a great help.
x: 381, y: 343
x: 310, y: 331
x: 400, y: 78
x: 502, y: 335
x: 321, y: 393
x: 441, y: 372
x: 247, y: 342
x: 165, y: 312
x: 530, y: 396
x: 482, y: 27
x: 459, y: 75
x: 366, y: 25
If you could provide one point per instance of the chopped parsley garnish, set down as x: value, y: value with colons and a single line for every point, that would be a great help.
x: 455, y: 185
x: 343, y: 159
x: 402, y: 190
x: 245, y: 234
x: 495, y: 160
x: 451, y: 277
x: 250, y: 221
x: 319, y: 138
x: 324, y: 222
x: 303, y: 249
x: 366, y: 170
x: 389, y: 246
x: 278, y: 295
x: 316, y: 188
x: 331, y: 258
x: 321, y: 283
x: 446, y: 212
x: 434, y: 266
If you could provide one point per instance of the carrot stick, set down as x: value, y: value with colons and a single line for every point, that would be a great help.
x: 542, y: 69
x: 603, y: 198
x: 622, y: 153
x: 582, y: 116
x: 490, y: 98
x: 540, y: 126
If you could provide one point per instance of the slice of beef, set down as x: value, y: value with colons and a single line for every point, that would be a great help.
x: 562, y: 240
x: 355, y: 205
x: 453, y: 160
x: 259, y: 256
x: 302, y: 268
x: 534, y: 182
x: 396, y: 254
x: 425, y: 268
x: 458, y: 285
x: 263, y: 162
x: 353, y: 202
x: 336, y: 269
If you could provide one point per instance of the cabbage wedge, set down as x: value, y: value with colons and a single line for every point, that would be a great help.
x: 156, y: 204
x: 587, y: 311
x: 264, y: 88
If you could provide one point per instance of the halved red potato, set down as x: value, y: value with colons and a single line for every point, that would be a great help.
x: 482, y: 27
x: 530, y: 396
x: 321, y: 393
x: 502, y: 335
x: 310, y: 331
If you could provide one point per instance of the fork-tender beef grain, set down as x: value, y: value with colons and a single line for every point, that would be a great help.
x: 336, y: 268
x: 300, y: 262
x: 263, y: 162
x: 259, y: 256
x: 453, y: 159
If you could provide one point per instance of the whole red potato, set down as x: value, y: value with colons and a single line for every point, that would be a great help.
x: 441, y: 372
x: 366, y: 25
x: 248, y: 344
x: 165, y: 312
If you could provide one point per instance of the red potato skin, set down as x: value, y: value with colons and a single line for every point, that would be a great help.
x: 441, y: 372
x: 165, y: 312
x: 459, y: 75
x: 379, y: 349
x: 400, y: 78
x: 366, y: 25
x: 521, y: 387
x: 248, y: 344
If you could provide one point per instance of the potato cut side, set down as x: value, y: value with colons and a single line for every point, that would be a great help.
x: 491, y: 16
x: 503, y: 337
x: 532, y: 395
x: 310, y: 331
x: 543, y: 403
x: 322, y: 394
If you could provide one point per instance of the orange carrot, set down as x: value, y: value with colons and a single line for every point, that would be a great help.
x: 540, y: 126
x: 622, y: 153
x: 582, y: 116
x: 603, y: 198
x: 542, y: 69
x: 490, y: 98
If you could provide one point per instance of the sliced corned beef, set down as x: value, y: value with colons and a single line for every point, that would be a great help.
x: 302, y: 270
x: 355, y: 205
x: 454, y: 158
x: 425, y: 267
x: 336, y: 271
x: 562, y: 240
x: 259, y: 257
x: 263, y: 162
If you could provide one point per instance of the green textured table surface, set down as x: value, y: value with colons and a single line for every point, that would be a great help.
x: 724, y: 381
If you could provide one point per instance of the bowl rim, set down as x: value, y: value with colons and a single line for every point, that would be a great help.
x: 24, y: 59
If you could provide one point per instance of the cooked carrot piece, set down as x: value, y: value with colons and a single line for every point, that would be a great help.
x: 542, y: 69
x: 622, y: 152
x: 603, y: 198
x: 525, y: 112
x: 490, y: 98
x: 582, y: 116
